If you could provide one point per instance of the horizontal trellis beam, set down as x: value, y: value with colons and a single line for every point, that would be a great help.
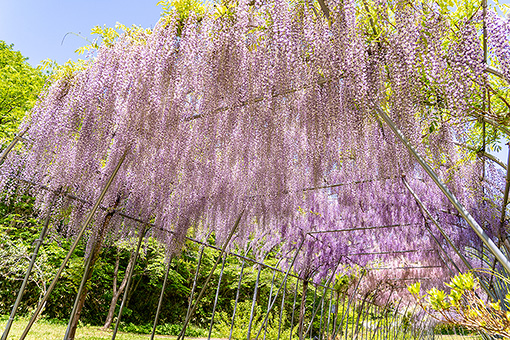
x: 410, y: 278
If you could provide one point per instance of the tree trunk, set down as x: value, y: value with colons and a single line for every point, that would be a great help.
x: 96, y: 250
x: 302, y: 310
x: 118, y: 293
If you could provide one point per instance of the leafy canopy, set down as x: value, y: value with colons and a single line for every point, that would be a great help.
x: 20, y: 84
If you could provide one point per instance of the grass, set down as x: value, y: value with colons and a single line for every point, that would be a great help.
x: 457, y: 337
x: 45, y: 330
x: 48, y: 330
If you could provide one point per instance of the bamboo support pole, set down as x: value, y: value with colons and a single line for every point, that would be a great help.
x: 322, y: 315
x: 130, y: 276
x: 252, y: 310
x: 281, y: 310
x: 354, y: 309
x: 227, y: 241
x: 11, y: 146
x: 313, y: 314
x: 349, y: 304
x: 246, y: 258
x: 73, y: 246
x: 456, y: 203
x: 237, y: 299
x: 386, y: 306
x: 393, y: 326
x: 190, y: 302
x: 160, y: 301
x: 504, y: 206
x: 336, y: 323
x: 402, y: 319
x: 293, y: 309
x: 365, y: 324
x: 457, y: 251
x: 440, y: 246
x: 279, y: 289
x: 331, y: 297
x: 269, y: 301
x: 21, y: 291
x: 327, y: 287
x: 79, y: 293
x: 216, y: 297
x: 302, y: 308
x: 360, y: 313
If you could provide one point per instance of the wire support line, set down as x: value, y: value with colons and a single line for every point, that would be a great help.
x: 404, y: 268
x: 170, y: 232
x: 256, y: 100
x: 361, y: 228
x: 135, y: 219
x: 393, y: 252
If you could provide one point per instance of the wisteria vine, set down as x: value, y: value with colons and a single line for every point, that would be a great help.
x: 269, y: 110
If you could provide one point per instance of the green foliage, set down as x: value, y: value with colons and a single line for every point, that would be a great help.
x: 241, y: 322
x: 182, y: 8
x: 463, y: 307
x: 20, y: 84
x: 108, y: 35
x: 57, y: 71
x: 165, y: 329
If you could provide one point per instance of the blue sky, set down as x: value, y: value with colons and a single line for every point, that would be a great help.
x: 37, y: 27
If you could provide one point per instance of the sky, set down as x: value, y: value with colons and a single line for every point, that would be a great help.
x: 42, y: 29
x: 39, y: 28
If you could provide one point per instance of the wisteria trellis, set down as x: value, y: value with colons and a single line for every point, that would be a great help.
x: 270, y: 110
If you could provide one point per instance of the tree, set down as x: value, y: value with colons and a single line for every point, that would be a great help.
x: 20, y: 84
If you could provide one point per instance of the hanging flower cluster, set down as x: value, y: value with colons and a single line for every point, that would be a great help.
x: 265, y: 110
